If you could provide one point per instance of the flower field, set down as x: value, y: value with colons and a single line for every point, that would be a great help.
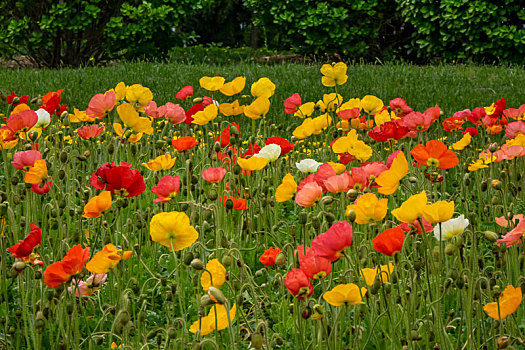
x: 224, y: 220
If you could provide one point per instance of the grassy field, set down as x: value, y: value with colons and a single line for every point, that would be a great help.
x: 452, y: 87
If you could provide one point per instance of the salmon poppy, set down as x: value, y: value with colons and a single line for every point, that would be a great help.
x: 185, y: 93
x: 184, y: 143
x: 292, y: 103
x: 309, y: 195
x: 435, y: 153
x: 72, y: 264
x: 330, y: 244
x: 213, y: 175
x: 100, y: 105
x: 269, y: 255
x: 313, y: 265
x: 90, y: 131
x: 167, y: 188
x: 298, y: 284
x: 25, y: 160
x: 21, y: 122
x: 390, y: 241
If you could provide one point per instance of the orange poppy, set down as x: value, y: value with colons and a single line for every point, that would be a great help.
x: 509, y: 301
x: 72, y: 264
x: 435, y: 153
x: 184, y: 143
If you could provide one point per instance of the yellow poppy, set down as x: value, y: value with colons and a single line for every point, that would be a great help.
x: 371, y: 104
x: 218, y: 275
x: 138, y: 95
x: 307, y: 128
x: 342, y: 294
x: 344, y: 143
x: 330, y: 102
x: 211, y: 83
x: 305, y: 110
x: 231, y: 109
x: 79, y: 116
x: 286, y: 190
x: 209, y: 323
x: 369, y: 274
x: 37, y: 173
x: 233, y: 87
x: 131, y: 119
x: 334, y: 74
x: 464, y: 142
x: 338, y: 167
x: 412, y: 208
x: 258, y: 108
x: 360, y: 150
x: 173, y: 229
x: 162, y: 162
x: 389, y: 180
x: 5, y: 139
x: 368, y: 208
x: 205, y: 116
x: 263, y: 88
x: 440, y: 211
x: 253, y: 163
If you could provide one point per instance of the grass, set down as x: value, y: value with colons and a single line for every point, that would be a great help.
x: 452, y: 87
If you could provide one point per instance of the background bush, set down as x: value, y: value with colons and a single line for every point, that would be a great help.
x: 72, y: 32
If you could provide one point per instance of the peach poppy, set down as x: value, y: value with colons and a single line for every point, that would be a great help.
x: 100, y: 105
x: 309, y: 195
x: 213, y: 175
x: 25, y: 160
x: 90, y: 131
x: 436, y: 154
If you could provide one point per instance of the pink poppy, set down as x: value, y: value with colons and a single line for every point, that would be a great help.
x: 167, y: 188
x: 347, y: 114
x: 515, y: 128
x: 25, y: 160
x: 292, y: 103
x: 310, y: 194
x: 324, y: 172
x: 502, y: 221
x: 372, y: 171
x: 213, y: 175
x: 100, y: 105
x: 416, y: 226
x: 416, y: 121
x: 515, y: 236
x: 152, y: 110
x: 90, y: 131
x: 185, y: 93
x: 338, y: 183
x: 331, y: 244
x: 400, y: 107
x: 358, y: 179
x: 173, y: 112
x: 513, y: 113
x: 22, y: 121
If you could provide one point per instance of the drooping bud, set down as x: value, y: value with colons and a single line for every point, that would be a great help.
x: 197, y: 264
x: 216, y: 295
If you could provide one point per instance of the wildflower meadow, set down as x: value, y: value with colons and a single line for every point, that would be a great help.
x: 222, y: 219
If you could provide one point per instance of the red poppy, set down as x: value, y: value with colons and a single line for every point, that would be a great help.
x: 167, y: 188
x: 25, y: 160
x: 472, y: 131
x: 192, y: 110
x: 453, y: 123
x: 42, y: 188
x: 30, y: 242
x: 269, y: 255
x: 185, y: 93
x: 51, y: 102
x: 477, y: 115
x: 435, y: 153
x: 224, y: 137
x: 283, y: 143
x: 313, y: 265
x: 184, y: 143
x: 390, y: 241
x: 118, y: 179
x: 298, y: 284
x: 389, y: 131
x: 330, y: 244
x: 499, y: 107
x: 292, y: 103
x: 90, y: 131
x: 416, y: 227
x: 21, y: 99
x: 253, y: 148
x: 238, y: 203
x: 72, y: 264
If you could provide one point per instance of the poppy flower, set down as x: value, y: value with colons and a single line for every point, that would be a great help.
x: 306, y: 129
x: 184, y: 143
x: 358, y: 179
x: 11, y: 98
x: 305, y: 110
x: 462, y: 143
x: 162, y: 162
x: 440, y: 211
x: 292, y: 103
x: 269, y: 152
x: 107, y: 259
x: 233, y: 87
x: 502, y: 221
x: 7, y: 139
x: 370, y: 274
x: 515, y: 128
x: 224, y: 137
x: 258, y: 108
x: 347, y: 114
x: 307, y: 166
x: 338, y: 183
x: 263, y: 87
x: 213, y: 175
x: 436, y: 154
x: 90, y: 131
x: 269, y: 255
x: 231, y: 109
x: 153, y: 111
x: 450, y: 228
x: 218, y: 275
x: 390, y: 131
x: 345, y: 294
x: 173, y: 112
x: 185, y: 93
x: 167, y: 188
x: 309, y: 195
x: 313, y: 265
x: 298, y: 284
x: 334, y: 74
x: 331, y: 243
x: 372, y: 171
x: 173, y: 230
x: 25, y: 160
x: 238, y: 203
x: 72, y: 264
x: 211, y: 83
x: 217, y: 319
x: 509, y: 301
x: 97, y: 205
x: 22, y: 121
x: 205, y: 116
x: 390, y: 241
x: 100, y: 105
x: 191, y: 112
x: 118, y: 179
x: 416, y: 121
x: 37, y: 173
x: 138, y: 96
x: 411, y: 209
x: 415, y: 226
x: 51, y: 101
x: 42, y: 188
x: 515, y: 235
x: 88, y: 287
x: 453, y: 123
x: 132, y: 120
x: 286, y: 190
x: 252, y: 163
x: 30, y: 242
x: 368, y: 208
x: 400, y: 107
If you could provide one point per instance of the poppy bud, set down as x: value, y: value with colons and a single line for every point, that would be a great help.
x: 435, y: 253
x: 237, y: 169
x: 493, y: 147
x: 229, y: 204
x: 351, y: 215
x: 496, y: 291
x: 450, y: 249
x: 414, y: 335
x: 111, y: 148
x: 316, y: 223
x: 496, y: 200
x: 484, y: 186
x: 172, y: 333
x: 327, y: 200
x: 16, y: 199
x: 206, y: 300
x: 227, y: 260
x: 303, y: 217
x: 352, y: 194
x: 33, y: 135
x: 40, y: 322
x: 216, y: 295
x: 412, y: 179
x: 16, y: 100
x: 14, y: 180
x: 307, y: 312
x: 197, y: 100
x: 64, y: 157
x: 19, y: 266
x: 197, y: 264
x: 87, y: 153
x: 217, y: 147
x: 61, y: 174
x: 280, y: 259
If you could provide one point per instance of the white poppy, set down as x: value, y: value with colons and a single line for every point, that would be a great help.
x: 451, y: 228
x: 270, y: 152
x: 44, y: 118
x: 308, y: 165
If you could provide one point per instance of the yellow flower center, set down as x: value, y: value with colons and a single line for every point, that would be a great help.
x: 433, y: 162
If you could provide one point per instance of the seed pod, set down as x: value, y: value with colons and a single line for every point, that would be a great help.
x: 64, y: 158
